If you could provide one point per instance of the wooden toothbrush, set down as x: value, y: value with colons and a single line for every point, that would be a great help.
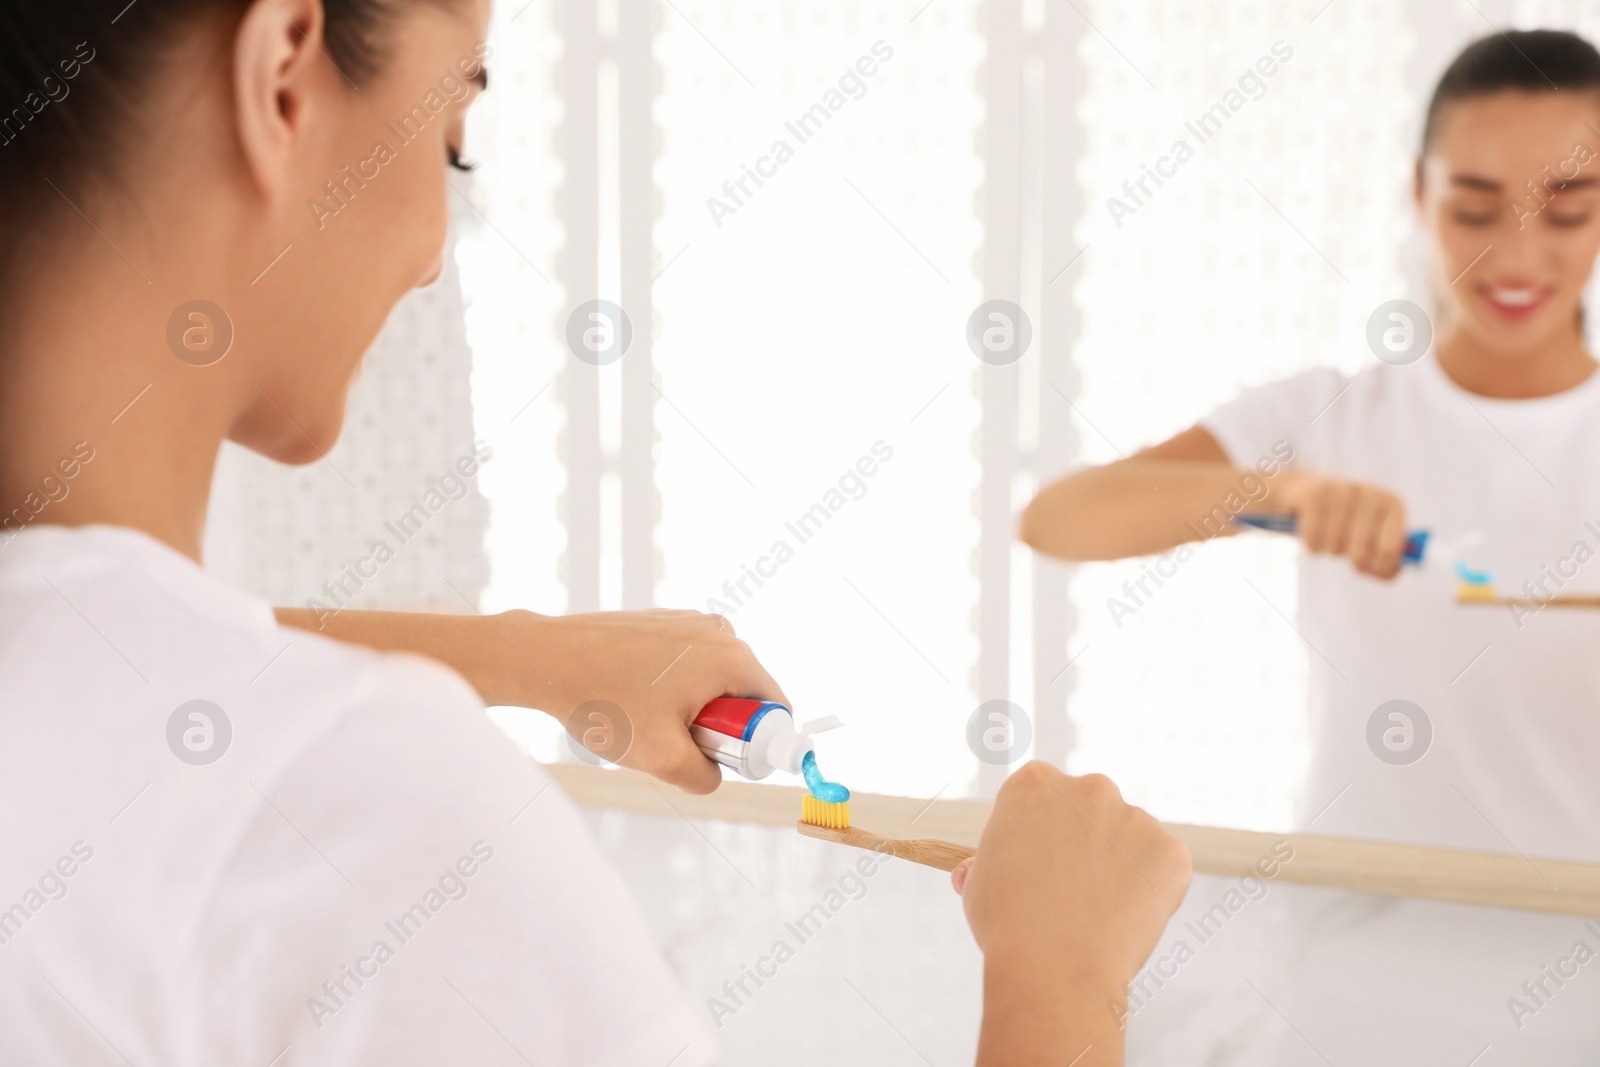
x: 1590, y: 602
x: 830, y: 821
x: 1484, y: 594
x: 927, y: 851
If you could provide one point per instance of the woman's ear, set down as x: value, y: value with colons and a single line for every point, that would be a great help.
x: 277, y: 56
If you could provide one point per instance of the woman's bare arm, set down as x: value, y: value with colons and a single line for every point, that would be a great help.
x: 1186, y: 489
x: 1174, y: 492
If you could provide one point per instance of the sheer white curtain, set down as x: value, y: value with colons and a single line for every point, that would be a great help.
x: 811, y: 352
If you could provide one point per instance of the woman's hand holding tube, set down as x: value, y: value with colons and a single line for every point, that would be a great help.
x: 625, y: 684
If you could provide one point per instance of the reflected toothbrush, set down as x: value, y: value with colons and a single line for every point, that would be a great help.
x: 1472, y: 586
x: 1416, y: 546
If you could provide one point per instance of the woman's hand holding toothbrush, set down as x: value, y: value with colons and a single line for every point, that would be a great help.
x: 1067, y: 895
x: 1337, y: 517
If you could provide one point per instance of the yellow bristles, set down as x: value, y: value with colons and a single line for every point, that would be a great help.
x: 821, y: 813
x: 1468, y: 592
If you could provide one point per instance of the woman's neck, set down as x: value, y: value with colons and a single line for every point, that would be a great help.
x: 1550, y: 368
x: 87, y: 372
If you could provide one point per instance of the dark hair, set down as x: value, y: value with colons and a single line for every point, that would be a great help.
x: 1532, y: 61
x: 71, y: 74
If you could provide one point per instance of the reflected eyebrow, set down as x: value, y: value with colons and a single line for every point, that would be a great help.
x: 1489, y: 185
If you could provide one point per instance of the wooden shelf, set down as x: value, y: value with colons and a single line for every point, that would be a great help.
x: 1486, y: 878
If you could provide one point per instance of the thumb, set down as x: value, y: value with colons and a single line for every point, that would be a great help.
x: 958, y: 877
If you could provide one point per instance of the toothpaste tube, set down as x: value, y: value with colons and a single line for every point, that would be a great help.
x: 754, y: 737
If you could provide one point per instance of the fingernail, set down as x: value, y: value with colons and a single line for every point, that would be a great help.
x: 958, y: 877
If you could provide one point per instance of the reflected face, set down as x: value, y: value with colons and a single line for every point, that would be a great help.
x: 1510, y: 195
x: 368, y: 213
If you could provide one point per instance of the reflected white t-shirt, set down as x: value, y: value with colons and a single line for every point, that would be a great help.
x: 370, y: 873
x: 1514, y: 710
x: 1513, y: 703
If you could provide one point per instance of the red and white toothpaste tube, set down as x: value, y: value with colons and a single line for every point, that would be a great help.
x: 754, y: 737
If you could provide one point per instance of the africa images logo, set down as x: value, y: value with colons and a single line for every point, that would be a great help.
x: 199, y: 732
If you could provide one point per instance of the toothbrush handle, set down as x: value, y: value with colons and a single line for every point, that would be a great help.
x: 1416, y: 541
x: 928, y: 851
x: 1284, y: 524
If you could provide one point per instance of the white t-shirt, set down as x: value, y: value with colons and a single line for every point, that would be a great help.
x: 1513, y: 704
x: 369, y: 874
x: 1515, y: 721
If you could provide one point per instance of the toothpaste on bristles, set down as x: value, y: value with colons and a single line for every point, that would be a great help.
x: 833, y: 816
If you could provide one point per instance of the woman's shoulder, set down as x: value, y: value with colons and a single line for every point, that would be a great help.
x: 1321, y: 398
x: 115, y: 633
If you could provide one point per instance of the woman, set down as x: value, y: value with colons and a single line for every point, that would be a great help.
x: 1488, y: 441
x: 230, y: 842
